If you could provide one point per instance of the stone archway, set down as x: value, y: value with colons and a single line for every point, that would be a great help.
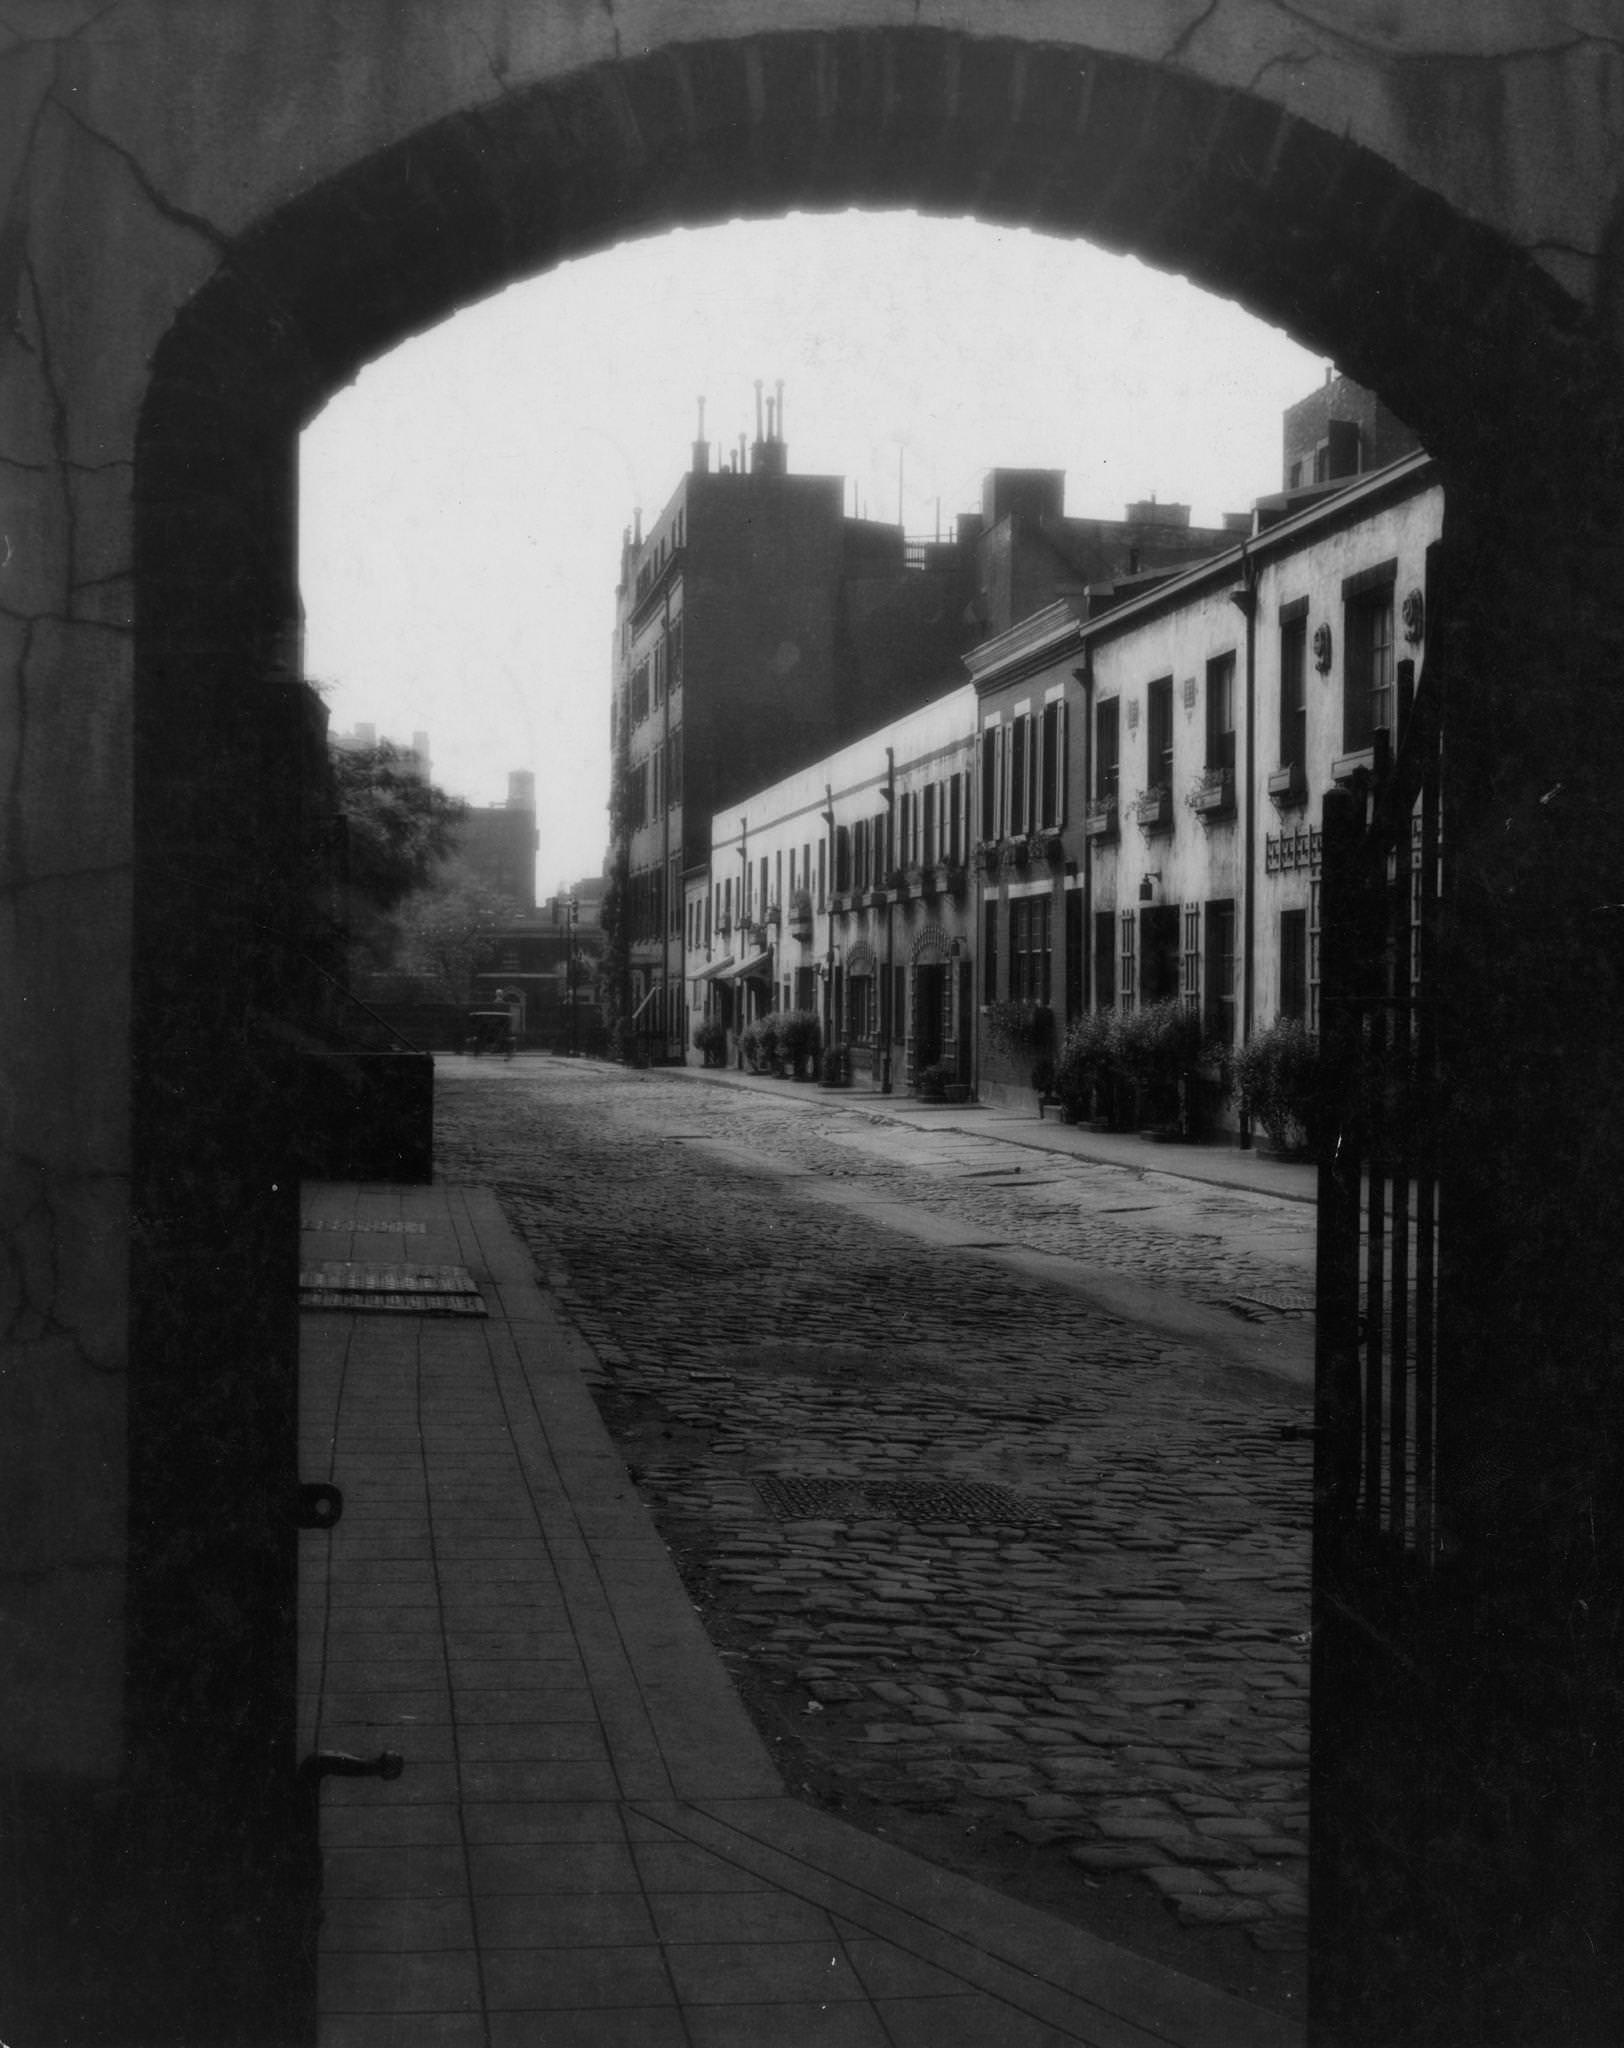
x: 1511, y: 381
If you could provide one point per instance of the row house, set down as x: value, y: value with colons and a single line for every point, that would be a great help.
x: 1152, y: 764
x: 844, y: 889
x: 758, y: 627
x: 1120, y: 807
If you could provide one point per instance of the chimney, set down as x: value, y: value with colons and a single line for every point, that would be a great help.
x: 701, y: 449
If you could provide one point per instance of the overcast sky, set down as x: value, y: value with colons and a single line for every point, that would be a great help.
x: 462, y: 503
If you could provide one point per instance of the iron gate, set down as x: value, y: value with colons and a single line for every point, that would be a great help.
x: 1380, y: 1352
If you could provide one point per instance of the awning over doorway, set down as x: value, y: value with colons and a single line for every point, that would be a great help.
x: 719, y: 972
x: 758, y: 964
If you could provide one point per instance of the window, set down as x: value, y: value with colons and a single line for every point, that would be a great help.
x: 1031, y: 948
x: 673, y: 659
x: 656, y: 781
x: 929, y: 854
x: 989, y: 782
x: 659, y: 674
x: 1159, y: 751
x: 842, y: 857
x: 955, y: 801
x: 673, y: 767
x: 905, y: 825
x: 1221, y: 713
x: 1128, y: 975
x: 1052, y: 789
x: 1159, y: 961
x: 1074, y: 953
x: 640, y: 692
x: 1367, y: 656
x: 989, y: 951
x: 1020, y: 774
x: 1104, y: 960
x: 1294, y: 966
x: 674, y: 895
x: 1221, y: 971
x: 1294, y: 685
x: 1107, y: 749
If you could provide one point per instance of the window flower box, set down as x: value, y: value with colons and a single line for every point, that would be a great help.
x: 1100, y: 819
x: 1214, y: 793
x: 1288, y: 786
x: 1154, y: 809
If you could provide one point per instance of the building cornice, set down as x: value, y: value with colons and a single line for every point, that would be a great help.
x: 1407, y: 477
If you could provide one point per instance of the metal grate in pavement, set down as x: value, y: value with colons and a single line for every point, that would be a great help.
x: 348, y: 1225
x: 400, y: 1288
x: 790, y: 1497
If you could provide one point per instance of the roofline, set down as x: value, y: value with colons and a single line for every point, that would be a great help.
x: 1409, y: 473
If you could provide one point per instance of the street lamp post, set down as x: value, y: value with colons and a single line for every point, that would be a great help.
x: 574, y: 911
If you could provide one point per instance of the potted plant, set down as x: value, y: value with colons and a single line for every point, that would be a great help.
x: 770, y: 1041
x: 834, y: 1069
x: 1083, y: 1071
x: 1278, y: 1084
x: 799, y: 1035
x: 933, y: 1081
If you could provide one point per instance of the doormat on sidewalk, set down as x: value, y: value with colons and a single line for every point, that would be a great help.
x: 794, y: 1497
x: 401, y: 1288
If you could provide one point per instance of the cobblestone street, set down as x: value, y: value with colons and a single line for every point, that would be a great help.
x: 986, y: 1468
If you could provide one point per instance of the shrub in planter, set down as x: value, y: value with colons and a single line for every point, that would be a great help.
x: 799, y: 1037
x: 1159, y: 1050
x: 769, y: 1041
x: 833, y: 1070
x: 1017, y: 1027
x: 750, y: 1047
x: 1278, y: 1081
x: 710, y: 1040
x: 933, y: 1080
x: 1087, y: 1058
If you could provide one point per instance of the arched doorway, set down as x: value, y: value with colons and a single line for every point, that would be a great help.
x: 1466, y: 340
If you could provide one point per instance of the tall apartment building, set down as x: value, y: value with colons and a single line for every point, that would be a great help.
x: 759, y: 627
x: 499, y: 841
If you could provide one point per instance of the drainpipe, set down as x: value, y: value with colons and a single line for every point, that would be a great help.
x: 829, y: 915
x: 890, y: 979
x: 1244, y: 597
x: 1085, y: 676
x: 665, y: 795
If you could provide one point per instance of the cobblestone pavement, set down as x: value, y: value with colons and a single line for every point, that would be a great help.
x: 1016, y: 1580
